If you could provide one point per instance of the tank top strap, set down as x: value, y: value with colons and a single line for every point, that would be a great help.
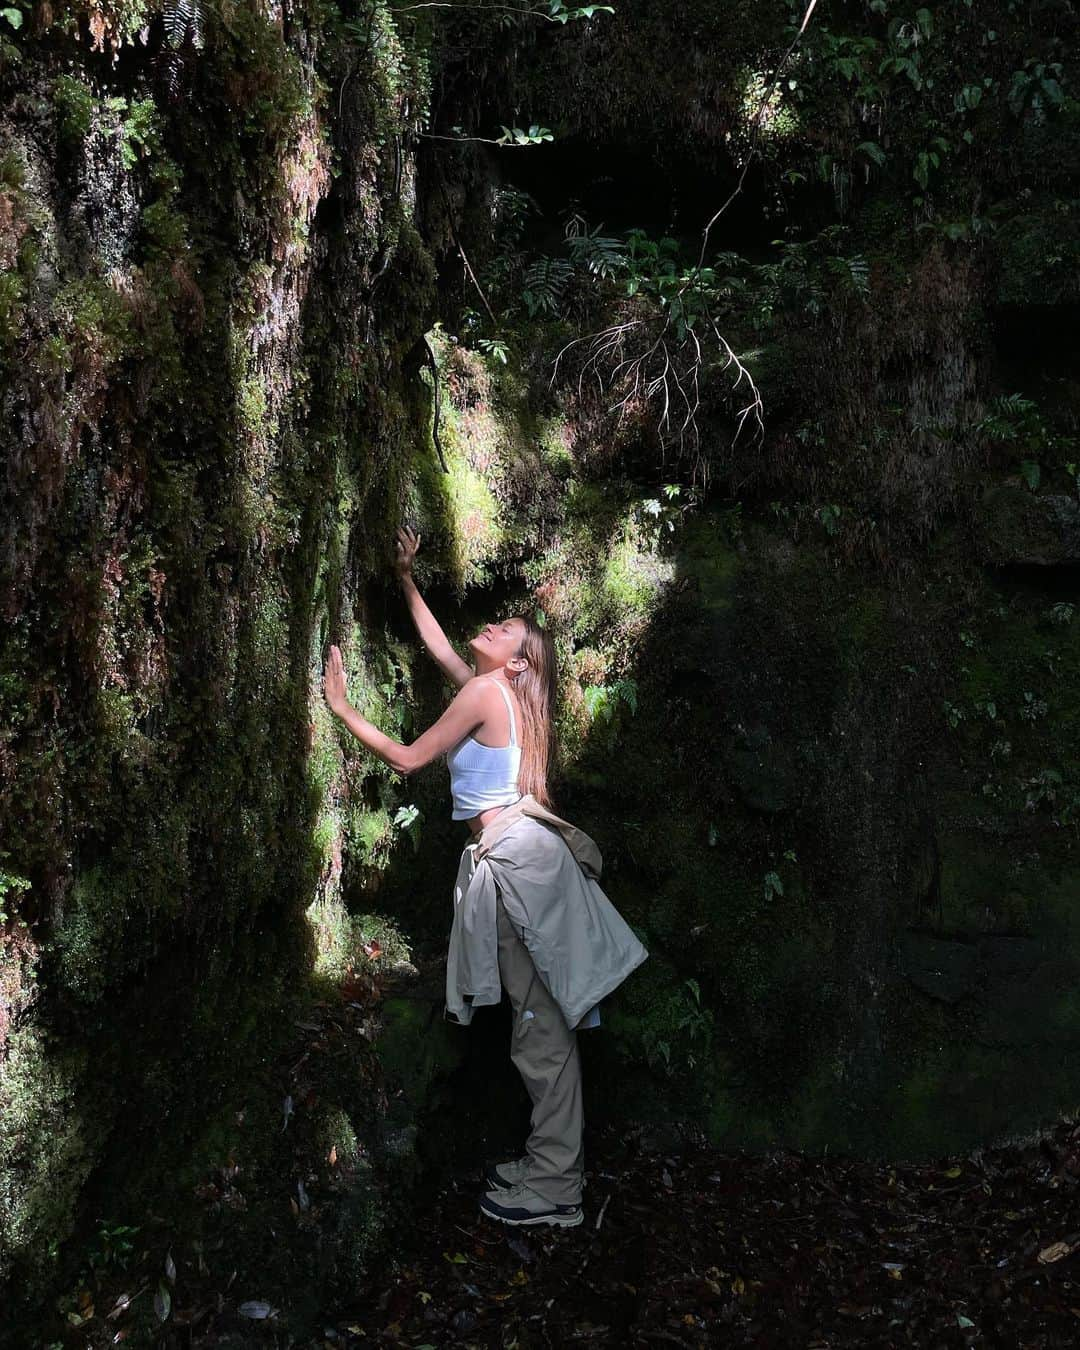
x: 509, y: 705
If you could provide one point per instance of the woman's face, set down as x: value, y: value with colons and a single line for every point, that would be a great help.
x: 497, y: 643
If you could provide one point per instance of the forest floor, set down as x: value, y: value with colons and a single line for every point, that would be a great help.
x: 706, y: 1249
x: 701, y: 1248
x: 682, y: 1244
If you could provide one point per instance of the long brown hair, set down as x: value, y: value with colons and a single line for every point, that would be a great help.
x: 536, y: 688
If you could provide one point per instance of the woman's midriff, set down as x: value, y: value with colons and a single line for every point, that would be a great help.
x: 477, y: 823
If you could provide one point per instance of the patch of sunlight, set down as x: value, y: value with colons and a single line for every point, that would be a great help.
x: 779, y: 120
x: 331, y: 928
x: 345, y: 941
x: 634, y: 579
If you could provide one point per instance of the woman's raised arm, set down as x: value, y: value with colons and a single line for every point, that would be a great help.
x: 467, y: 712
x: 431, y: 634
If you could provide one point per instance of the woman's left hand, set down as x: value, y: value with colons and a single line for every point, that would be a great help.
x: 334, y: 681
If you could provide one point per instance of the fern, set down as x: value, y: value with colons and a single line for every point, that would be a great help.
x: 545, y: 283
x: 183, y: 19
x: 601, y: 255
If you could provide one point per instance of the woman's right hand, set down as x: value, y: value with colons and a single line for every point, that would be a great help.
x: 406, y: 544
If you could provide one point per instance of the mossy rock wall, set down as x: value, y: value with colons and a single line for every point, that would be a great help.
x: 212, y: 288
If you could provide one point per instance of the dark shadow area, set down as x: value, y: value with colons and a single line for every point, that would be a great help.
x: 1055, y: 581
x: 622, y: 188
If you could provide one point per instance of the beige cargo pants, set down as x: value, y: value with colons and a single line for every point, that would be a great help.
x: 545, y: 1052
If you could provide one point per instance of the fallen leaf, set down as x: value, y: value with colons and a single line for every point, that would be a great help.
x: 1054, y: 1252
x: 122, y: 1304
x: 255, y: 1308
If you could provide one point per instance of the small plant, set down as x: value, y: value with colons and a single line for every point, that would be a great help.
x: 407, y: 818
x: 1037, y: 86
x: 1032, y: 707
x: 692, y: 1019
x: 544, y: 285
x: 494, y: 348
x: 660, y: 517
x: 603, y: 700
x: 10, y: 885
x: 561, y: 14
x: 954, y: 714
x: 516, y: 136
x: 1041, y: 789
x: 112, y: 1246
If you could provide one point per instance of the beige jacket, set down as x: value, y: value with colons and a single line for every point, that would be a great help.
x: 546, y: 872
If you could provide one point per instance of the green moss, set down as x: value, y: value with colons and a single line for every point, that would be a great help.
x: 461, y: 504
x: 74, y: 101
x: 46, y: 1150
x: 12, y: 170
x: 369, y: 835
x: 86, y: 938
x: 95, y: 318
x: 634, y: 577
x: 12, y: 307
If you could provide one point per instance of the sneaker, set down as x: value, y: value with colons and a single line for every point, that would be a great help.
x: 501, y: 1176
x: 521, y: 1205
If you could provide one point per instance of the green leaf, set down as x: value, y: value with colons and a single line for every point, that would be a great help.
x: 1031, y: 473
x: 13, y: 16
x: 1053, y: 92
x: 872, y: 151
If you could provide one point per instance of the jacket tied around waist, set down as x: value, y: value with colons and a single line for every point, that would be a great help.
x: 546, y: 872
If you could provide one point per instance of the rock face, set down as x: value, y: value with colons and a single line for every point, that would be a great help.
x: 211, y: 281
x: 1021, y: 527
x: 818, y: 689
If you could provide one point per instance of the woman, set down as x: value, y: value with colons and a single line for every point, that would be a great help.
x: 529, y: 916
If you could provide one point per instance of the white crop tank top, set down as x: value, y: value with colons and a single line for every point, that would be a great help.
x: 482, y: 776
